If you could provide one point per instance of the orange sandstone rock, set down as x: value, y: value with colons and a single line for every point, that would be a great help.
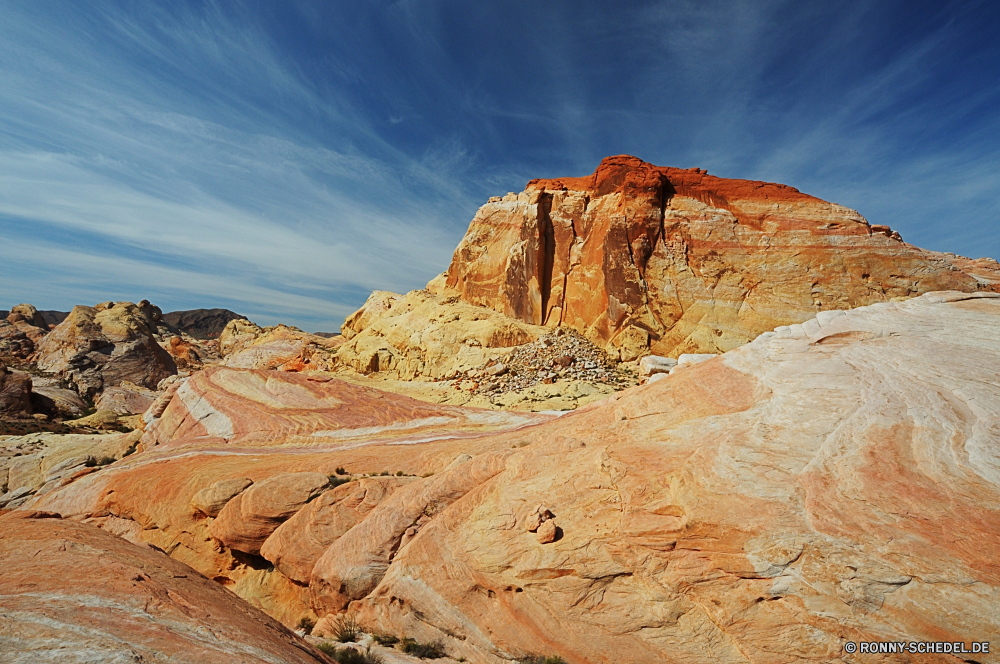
x: 642, y: 257
x: 70, y: 591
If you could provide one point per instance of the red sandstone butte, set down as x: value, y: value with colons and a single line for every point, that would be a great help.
x: 641, y: 257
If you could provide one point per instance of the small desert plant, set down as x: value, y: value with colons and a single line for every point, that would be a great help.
x: 399, y: 473
x: 341, y: 471
x: 433, y: 650
x: 353, y: 656
x: 346, y: 629
x: 327, y: 648
x: 384, y: 473
x: 306, y: 623
x: 337, y: 481
x: 387, y: 640
x: 542, y: 659
x: 91, y: 462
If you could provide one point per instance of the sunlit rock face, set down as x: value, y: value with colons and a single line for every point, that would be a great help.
x: 646, y: 258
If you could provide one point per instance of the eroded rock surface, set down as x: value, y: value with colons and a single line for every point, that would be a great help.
x: 71, y: 592
x: 836, y: 480
x: 645, y: 259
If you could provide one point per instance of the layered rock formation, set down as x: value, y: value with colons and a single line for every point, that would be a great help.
x: 72, y: 592
x: 235, y: 455
x: 832, y: 481
x: 103, y: 346
x: 641, y: 257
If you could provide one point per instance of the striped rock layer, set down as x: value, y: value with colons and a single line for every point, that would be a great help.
x: 641, y: 257
x: 70, y: 592
x: 833, y: 481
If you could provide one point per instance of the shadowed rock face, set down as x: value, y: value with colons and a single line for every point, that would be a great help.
x: 100, y: 347
x: 15, y: 392
x: 70, y: 592
x: 678, y: 261
x: 201, y: 323
x: 836, y: 480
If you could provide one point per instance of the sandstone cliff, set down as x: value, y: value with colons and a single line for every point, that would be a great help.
x: 832, y: 481
x: 641, y: 257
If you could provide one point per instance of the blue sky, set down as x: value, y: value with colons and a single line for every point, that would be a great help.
x: 283, y: 159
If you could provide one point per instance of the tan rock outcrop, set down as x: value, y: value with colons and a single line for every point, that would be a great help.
x: 103, y: 346
x: 210, y: 500
x: 246, y: 346
x: 249, y: 519
x: 423, y: 334
x: 72, y: 592
x: 653, y: 259
x: 15, y: 392
x: 296, y: 545
x: 21, y: 331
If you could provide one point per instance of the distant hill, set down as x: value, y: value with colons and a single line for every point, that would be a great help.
x: 50, y: 317
x: 327, y: 335
x: 54, y: 317
x: 201, y: 323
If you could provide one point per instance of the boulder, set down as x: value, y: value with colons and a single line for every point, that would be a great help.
x: 642, y: 258
x: 21, y: 331
x: 237, y: 335
x: 126, y: 399
x: 656, y: 364
x: 30, y: 315
x: 73, y: 592
x: 100, y: 347
x: 210, y: 500
x: 15, y: 392
x: 247, y: 521
x: 296, y: 545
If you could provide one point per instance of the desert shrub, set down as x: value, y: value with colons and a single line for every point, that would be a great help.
x: 346, y: 629
x: 399, y: 473
x: 337, y: 481
x: 432, y: 650
x: 542, y: 659
x: 387, y: 640
x: 353, y: 656
x: 384, y: 473
x: 341, y: 471
x: 307, y: 624
x: 327, y: 648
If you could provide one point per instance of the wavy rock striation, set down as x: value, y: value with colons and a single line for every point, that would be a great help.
x: 835, y: 480
x: 72, y: 592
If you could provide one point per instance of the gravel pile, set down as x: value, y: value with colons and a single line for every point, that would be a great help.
x: 559, y: 355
